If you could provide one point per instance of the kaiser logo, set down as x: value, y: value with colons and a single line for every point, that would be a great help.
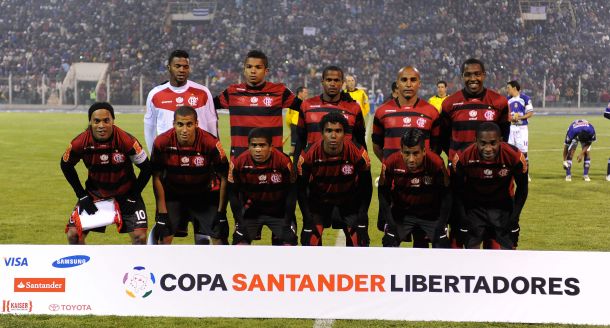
x: 421, y: 122
x: 489, y: 115
x: 487, y: 172
x: 472, y: 113
x: 180, y: 100
x: 15, y: 261
x: 254, y: 100
x: 193, y: 101
x: 267, y: 101
x: 347, y: 169
x: 71, y: 261
x: 406, y: 120
x: 11, y: 306
x: 262, y: 177
x: 415, y: 181
x: 184, y: 160
x: 139, y: 282
x: 40, y: 285
x: 104, y: 158
x: 198, y: 161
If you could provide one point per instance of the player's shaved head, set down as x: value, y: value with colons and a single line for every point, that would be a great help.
x: 410, y: 69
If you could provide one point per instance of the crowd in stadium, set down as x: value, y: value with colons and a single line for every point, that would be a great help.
x: 371, y: 39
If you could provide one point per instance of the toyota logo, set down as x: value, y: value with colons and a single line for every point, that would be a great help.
x: 54, y: 307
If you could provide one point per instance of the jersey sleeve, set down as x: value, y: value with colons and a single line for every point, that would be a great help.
x: 207, y: 116
x: 366, y: 107
x: 528, y: 104
x: 72, y: 154
x: 136, y: 153
x: 378, y: 130
x: 220, y: 162
x: 150, y: 122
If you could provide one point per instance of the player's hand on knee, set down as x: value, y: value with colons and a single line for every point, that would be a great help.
x: 129, y: 205
x: 362, y: 232
x: 306, y: 234
x: 240, y: 235
x: 86, y: 203
x: 390, y: 237
x: 289, y: 236
x: 220, y: 226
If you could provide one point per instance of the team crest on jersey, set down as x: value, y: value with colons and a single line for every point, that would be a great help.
x: 180, y: 100
x: 472, y: 113
x: 267, y: 101
x: 184, y: 160
x: 254, y: 100
x: 193, y: 100
x: 198, y: 161
x: 347, y: 169
x: 421, y: 122
x: 489, y: 115
x: 487, y: 173
x: 118, y: 158
x: 276, y: 178
x: 516, y: 105
x: 503, y: 172
x: 104, y: 158
x: 427, y: 180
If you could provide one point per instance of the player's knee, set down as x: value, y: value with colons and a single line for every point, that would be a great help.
x: 202, y: 239
x: 73, y: 237
x: 138, y: 239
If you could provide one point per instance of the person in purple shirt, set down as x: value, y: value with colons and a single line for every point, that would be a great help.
x: 580, y: 131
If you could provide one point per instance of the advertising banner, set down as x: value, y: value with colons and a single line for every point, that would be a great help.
x: 306, y: 282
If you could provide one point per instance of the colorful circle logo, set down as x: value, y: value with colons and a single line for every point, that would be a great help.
x: 139, y: 282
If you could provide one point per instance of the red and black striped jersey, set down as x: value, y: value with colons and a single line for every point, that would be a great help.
x: 488, y: 183
x: 416, y: 193
x: 264, y: 187
x: 461, y: 116
x: 333, y: 179
x: 313, y: 109
x: 109, y: 163
x: 391, y: 120
x: 256, y: 107
x: 188, y: 170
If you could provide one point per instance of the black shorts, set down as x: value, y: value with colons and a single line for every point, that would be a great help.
x: 201, y: 211
x: 407, y: 224
x: 337, y: 217
x: 136, y: 221
x: 483, y: 223
x: 255, y: 224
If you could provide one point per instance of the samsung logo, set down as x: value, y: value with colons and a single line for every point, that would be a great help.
x: 71, y: 261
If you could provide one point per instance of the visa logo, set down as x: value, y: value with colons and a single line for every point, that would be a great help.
x: 16, y: 261
x: 71, y: 261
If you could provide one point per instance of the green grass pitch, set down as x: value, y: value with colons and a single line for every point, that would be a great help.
x: 35, y: 202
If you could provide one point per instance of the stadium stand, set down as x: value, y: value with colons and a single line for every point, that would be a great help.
x: 371, y: 39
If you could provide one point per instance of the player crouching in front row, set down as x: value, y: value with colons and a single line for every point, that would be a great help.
x: 109, y: 153
x: 186, y: 160
x: 414, y: 192
x: 484, y: 180
x: 262, y: 190
x: 335, y: 185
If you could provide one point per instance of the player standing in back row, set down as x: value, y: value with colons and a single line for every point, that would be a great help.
x: 257, y: 103
x: 465, y: 110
